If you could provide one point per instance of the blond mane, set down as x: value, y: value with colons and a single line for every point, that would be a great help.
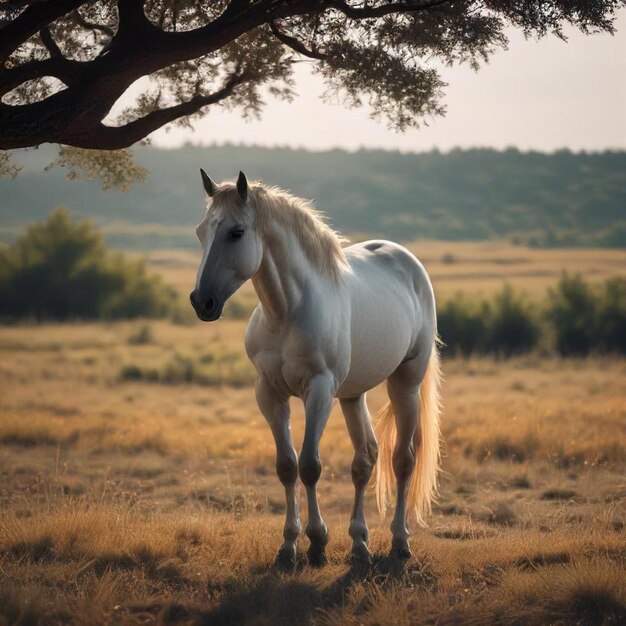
x: 320, y: 243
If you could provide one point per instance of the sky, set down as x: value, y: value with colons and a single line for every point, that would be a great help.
x: 537, y: 95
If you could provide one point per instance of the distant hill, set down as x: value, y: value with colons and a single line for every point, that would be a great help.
x: 542, y: 199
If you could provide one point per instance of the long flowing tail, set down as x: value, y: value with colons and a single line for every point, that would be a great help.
x: 423, y: 485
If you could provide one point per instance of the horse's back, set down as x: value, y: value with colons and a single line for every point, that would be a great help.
x: 392, y: 311
x: 388, y: 266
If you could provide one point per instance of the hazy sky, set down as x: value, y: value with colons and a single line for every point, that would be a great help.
x: 541, y: 95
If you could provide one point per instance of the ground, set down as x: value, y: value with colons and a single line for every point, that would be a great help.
x: 137, y: 482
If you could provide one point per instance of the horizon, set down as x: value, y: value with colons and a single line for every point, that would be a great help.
x: 433, y: 150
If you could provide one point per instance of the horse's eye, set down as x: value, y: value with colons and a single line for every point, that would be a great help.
x: 236, y: 234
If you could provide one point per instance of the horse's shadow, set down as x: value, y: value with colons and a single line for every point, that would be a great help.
x: 271, y: 596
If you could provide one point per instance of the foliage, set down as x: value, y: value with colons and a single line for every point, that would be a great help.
x: 571, y: 311
x: 511, y: 326
x: 7, y: 166
x: 459, y: 195
x: 575, y: 317
x: 505, y: 326
x: 611, y: 317
x: 66, y: 64
x: 116, y: 170
x: 462, y: 325
x: 61, y: 269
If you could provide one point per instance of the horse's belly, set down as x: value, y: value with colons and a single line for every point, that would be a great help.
x: 363, y: 377
x: 377, y: 351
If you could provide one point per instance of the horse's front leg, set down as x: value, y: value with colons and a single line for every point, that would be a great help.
x: 318, y: 401
x: 276, y: 412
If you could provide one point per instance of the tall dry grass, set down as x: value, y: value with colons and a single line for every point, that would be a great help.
x: 154, y: 500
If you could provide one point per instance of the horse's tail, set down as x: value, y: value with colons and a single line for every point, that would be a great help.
x: 423, y: 484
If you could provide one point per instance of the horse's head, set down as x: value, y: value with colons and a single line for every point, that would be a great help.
x: 231, y: 246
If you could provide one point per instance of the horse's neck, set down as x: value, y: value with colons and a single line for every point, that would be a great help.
x: 284, y: 275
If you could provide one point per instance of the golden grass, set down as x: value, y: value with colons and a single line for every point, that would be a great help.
x: 154, y: 501
x: 205, y: 567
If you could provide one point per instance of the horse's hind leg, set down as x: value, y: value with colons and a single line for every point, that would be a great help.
x: 403, y: 388
x: 276, y: 412
x: 363, y: 438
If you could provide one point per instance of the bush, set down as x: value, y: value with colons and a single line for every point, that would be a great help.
x: 512, y: 328
x: 61, y: 269
x: 505, y: 326
x: 462, y: 325
x: 571, y: 311
x: 580, y: 319
x: 610, y: 327
x: 142, y: 336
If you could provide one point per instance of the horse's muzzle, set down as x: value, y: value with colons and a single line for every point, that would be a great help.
x: 207, y: 308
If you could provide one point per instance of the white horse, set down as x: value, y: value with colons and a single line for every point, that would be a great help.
x: 332, y: 322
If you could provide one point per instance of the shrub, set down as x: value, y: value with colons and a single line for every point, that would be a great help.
x: 61, y: 269
x: 571, y: 311
x: 610, y: 326
x: 505, y: 326
x: 131, y: 372
x: 142, y: 336
x: 512, y: 328
x: 462, y: 325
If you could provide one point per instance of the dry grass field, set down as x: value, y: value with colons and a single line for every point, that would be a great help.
x: 137, y: 482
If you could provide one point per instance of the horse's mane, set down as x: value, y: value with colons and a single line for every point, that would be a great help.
x: 271, y: 205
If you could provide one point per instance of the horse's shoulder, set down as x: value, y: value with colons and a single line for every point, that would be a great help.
x: 265, y: 338
x: 255, y: 332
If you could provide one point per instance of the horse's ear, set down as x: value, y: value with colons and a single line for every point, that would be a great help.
x: 209, y: 185
x: 242, y: 186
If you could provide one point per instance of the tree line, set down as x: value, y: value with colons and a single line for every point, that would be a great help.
x: 544, y: 200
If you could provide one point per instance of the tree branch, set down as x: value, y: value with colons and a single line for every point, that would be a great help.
x: 85, y: 23
x: 237, y: 5
x: 138, y: 48
x: 66, y: 70
x: 118, y: 137
x: 294, y: 43
x: 366, y: 12
x: 16, y: 5
x: 50, y: 43
x: 131, y: 15
x: 35, y: 17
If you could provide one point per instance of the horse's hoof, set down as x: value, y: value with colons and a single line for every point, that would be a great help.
x: 317, y: 556
x: 400, y: 550
x: 360, y: 556
x: 360, y: 562
x: 286, y: 559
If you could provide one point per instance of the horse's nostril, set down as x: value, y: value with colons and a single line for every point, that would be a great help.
x: 209, y: 303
